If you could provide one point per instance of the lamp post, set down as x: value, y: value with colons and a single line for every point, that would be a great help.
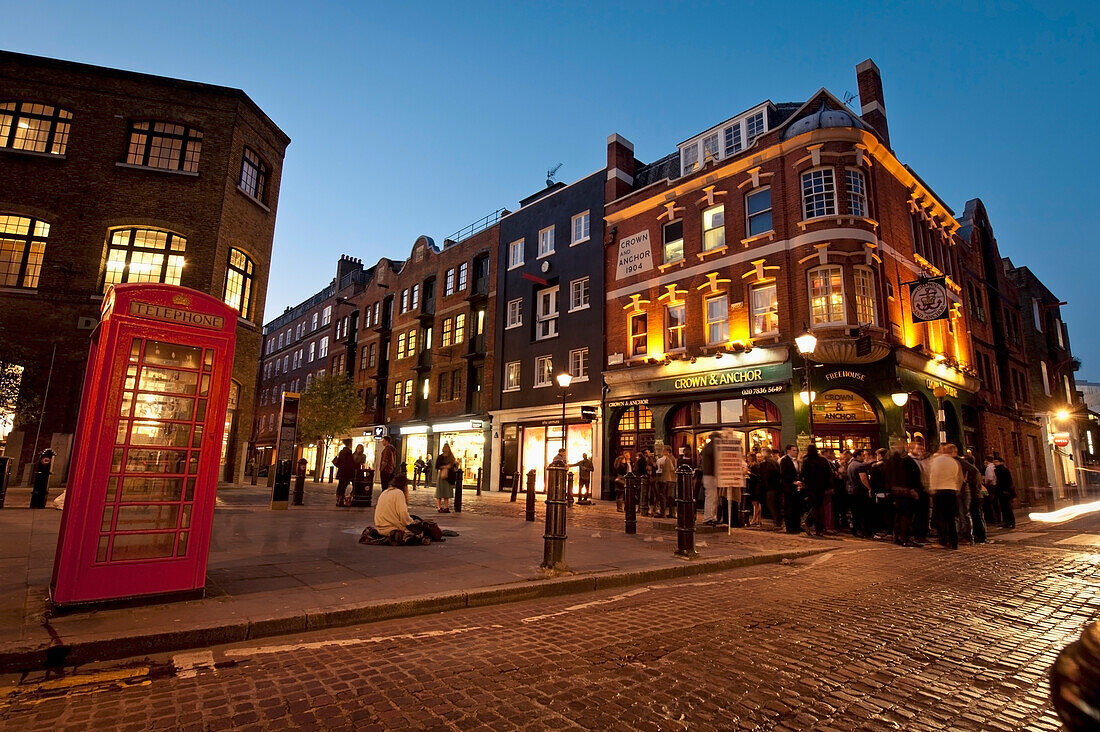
x: 807, y: 343
x: 564, y: 380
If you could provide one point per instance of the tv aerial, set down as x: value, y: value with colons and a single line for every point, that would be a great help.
x: 551, y: 173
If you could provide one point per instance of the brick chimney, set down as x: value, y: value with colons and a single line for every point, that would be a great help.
x: 872, y: 106
x: 620, y: 167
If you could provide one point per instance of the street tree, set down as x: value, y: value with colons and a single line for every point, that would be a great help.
x: 330, y: 406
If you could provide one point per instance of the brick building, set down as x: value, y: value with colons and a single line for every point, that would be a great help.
x: 787, y: 219
x: 111, y: 176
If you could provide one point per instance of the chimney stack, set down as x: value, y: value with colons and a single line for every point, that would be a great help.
x: 620, y: 167
x: 872, y: 106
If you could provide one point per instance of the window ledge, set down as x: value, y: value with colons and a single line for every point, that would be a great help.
x: 578, y: 308
x: 544, y: 256
x: 769, y: 234
x: 157, y: 170
x: 837, y: 219
x: 542, y: 386
x: 578, y: 380
x: 546, y: 338
x: 580, y: 241
x: 517, y: 265
x: 770, y: 334
x: 28, y: 291
x: 509, y: 389
x: 513, y: 327
x: 254, y: 200
x: 669, y: 265
x: 713, y: 252
x: 32, y: 153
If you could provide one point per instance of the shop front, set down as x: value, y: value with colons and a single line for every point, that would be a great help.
x: 532, y: 446
x: 466, y: 438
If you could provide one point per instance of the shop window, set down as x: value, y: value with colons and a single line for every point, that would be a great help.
x: 144, y: 255
x: 253, y: 175
x: 758, y: 211
x: 827, y: 296
x: 864, y: 279
x: 714, y: 228
x: 33, y: 127
x: 765, y: 310
x: 544, y: 371
x: 718, y: 323
x: 639, y: 334
x: 238, y: 283
x: 22, y: 246
x: 857, y: 193
x: 818, y: 193
x: 633, y: 430
x: 673, y: 241
x: 164, y: 145
x: 674, y: 327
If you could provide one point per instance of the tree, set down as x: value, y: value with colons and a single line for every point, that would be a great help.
x: 330, y: 406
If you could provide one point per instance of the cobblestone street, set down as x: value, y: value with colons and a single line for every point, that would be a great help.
x: 868, y: 636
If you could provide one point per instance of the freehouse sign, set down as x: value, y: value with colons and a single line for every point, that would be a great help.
x: 749, y: 376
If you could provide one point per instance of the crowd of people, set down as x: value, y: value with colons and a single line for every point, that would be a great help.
x: 905, y: 494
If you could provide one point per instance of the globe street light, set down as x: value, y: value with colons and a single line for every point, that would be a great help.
x: 806, y: 344
x: 564, y: 380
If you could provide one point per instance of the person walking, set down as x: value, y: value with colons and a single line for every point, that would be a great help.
x: 446, y: 468
x: 710, y: 482
x: 817, y: 477
x: 945, y: 477
x: 792, y: 502
x: 666, y: 482
x: 772, y: 486
x: 345, y: 473
x: 970, y: 484
x: 584, y: 478
x: 1006, y: 491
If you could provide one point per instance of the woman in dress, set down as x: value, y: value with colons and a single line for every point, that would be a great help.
x: 446, y: 476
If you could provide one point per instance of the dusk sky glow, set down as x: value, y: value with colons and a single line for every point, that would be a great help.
x: 420, y: 118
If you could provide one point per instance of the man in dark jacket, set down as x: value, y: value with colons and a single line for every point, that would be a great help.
x: 792, y: 502
x: 345, y: 472
x: 771, y: 485
x: 1006, y: 491
x: 710, y: 482
x: 903, y: 479
x: 817, y: 477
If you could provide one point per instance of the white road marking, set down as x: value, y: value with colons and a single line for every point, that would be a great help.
x: 188, y: 665
x: 265, y: 650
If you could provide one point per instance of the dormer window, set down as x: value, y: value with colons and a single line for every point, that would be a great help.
x: 732, y: 136
x: 754, y: 126
x: 727, y: 139
x: 710, y: 148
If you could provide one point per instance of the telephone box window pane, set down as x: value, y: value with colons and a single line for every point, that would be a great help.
x: 208, y: 360
x: 159, y: 407
x: 200, y: 414
x: 186, y: 523
x: 196, y: 441
x: 137, y: 489
x: 135, y: 349
x: 155, y: 433
x: 182, y: 548
x: 193, y: 465
x: 127, y: 403
x: 169, y: 354
x: 168, y: 381
x: 123, y: 429
x: 190, y: 495
x: 142, y: 546
x: 144, y: 518
x: 112, y: 490
x: 205, y: 386
x: 108, y: 514
x: 156, y: 461
x: 116, y: 460
x: 101, y: 552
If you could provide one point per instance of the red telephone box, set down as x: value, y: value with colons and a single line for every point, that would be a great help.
x: 140, y: 497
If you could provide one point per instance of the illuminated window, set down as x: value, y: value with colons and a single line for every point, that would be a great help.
x: 714, y: 228
x: 546, y: 316
x: 578, y: 294
x: 639, y: 334
x: 511, y: 376
x: 253, y: 174
x: 674, y: 327
x: 398, y: 393
x: 515, y: 254
x: 22, y: 244
x: 857, y: 193
x: 460, y: 327
x: 864, y: 280
x: 765, y: 310
x: 164, y: 145
x: 581, y: 228
x: 818, y: 193
x: 410, y: 347
x: 144, y: 255
x: 578, y: 364
x: 544, y: 371
x: 447, y: 333
x: 758, y: 211
x: 718, y: 320
x: 674, y: 241
x: 408, y: 391
x: 515, y: 314
x: 238, y: 283
x: 546, y: 241
x: 401, y: 346
x: 827, y: 296
x: 34, y: 127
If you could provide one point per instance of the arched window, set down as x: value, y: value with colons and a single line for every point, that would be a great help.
x: 238, y: 283
x: 634, y: 430
x: 34, y: 127
x: 22, y: 244
x: 144, y: 255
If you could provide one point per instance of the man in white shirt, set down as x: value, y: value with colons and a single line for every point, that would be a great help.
x: 944, y: 478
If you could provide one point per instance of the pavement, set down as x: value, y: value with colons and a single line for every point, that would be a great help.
x: 289, y: 572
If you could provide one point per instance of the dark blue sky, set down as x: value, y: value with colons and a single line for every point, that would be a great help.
x: 422, y: 118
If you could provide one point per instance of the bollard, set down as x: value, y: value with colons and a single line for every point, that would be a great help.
x: 685, y: 512
x: 515, y: 487
x: 554, y: 538
x: 530, y: 495
x: 1050, y: 499
x: 479, y: 481
x: 569, y: 488
x: 1075, y: 681
x: 458, y: 492
x: 330, y: 473
x: 299, y: 483
x: 42, y: 470
x: 5, y: 473
x: 631, y: 506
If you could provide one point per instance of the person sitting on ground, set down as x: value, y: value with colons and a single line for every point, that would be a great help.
x: 393, y: 524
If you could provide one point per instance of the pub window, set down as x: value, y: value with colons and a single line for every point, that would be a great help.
x: 758, y: 211
x: 238, y: 283
x: 714, y: 228
x: 718, y: 320
x: 864, y: 280
x: 857, y: 193
x: 674, y: 241
x: 164, y: 145
x: 818, y: 193
x: 765, y: 310
x: 22, y: 245
x: 827, y: 296
x: 144, y: 255
x: 675, y: 321
x: 33, y: 127
x: 253, y: 174
x: 639, y: 334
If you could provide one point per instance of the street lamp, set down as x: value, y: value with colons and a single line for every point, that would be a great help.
x: 900, y: 397
x: 807, y: 343
x: 564, y: 380
x: 1061, y: 415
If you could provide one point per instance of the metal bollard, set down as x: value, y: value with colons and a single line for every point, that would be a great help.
x: 479, y: 481
x: 458, y: 493
x: 631, y: 505
x: 569, y: 488
x: 515, y: 487
x: 330, y: 473
x: 530, y: 495
x: 685, y: 512
x: 1050, y: 499
x: 554, y: 538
